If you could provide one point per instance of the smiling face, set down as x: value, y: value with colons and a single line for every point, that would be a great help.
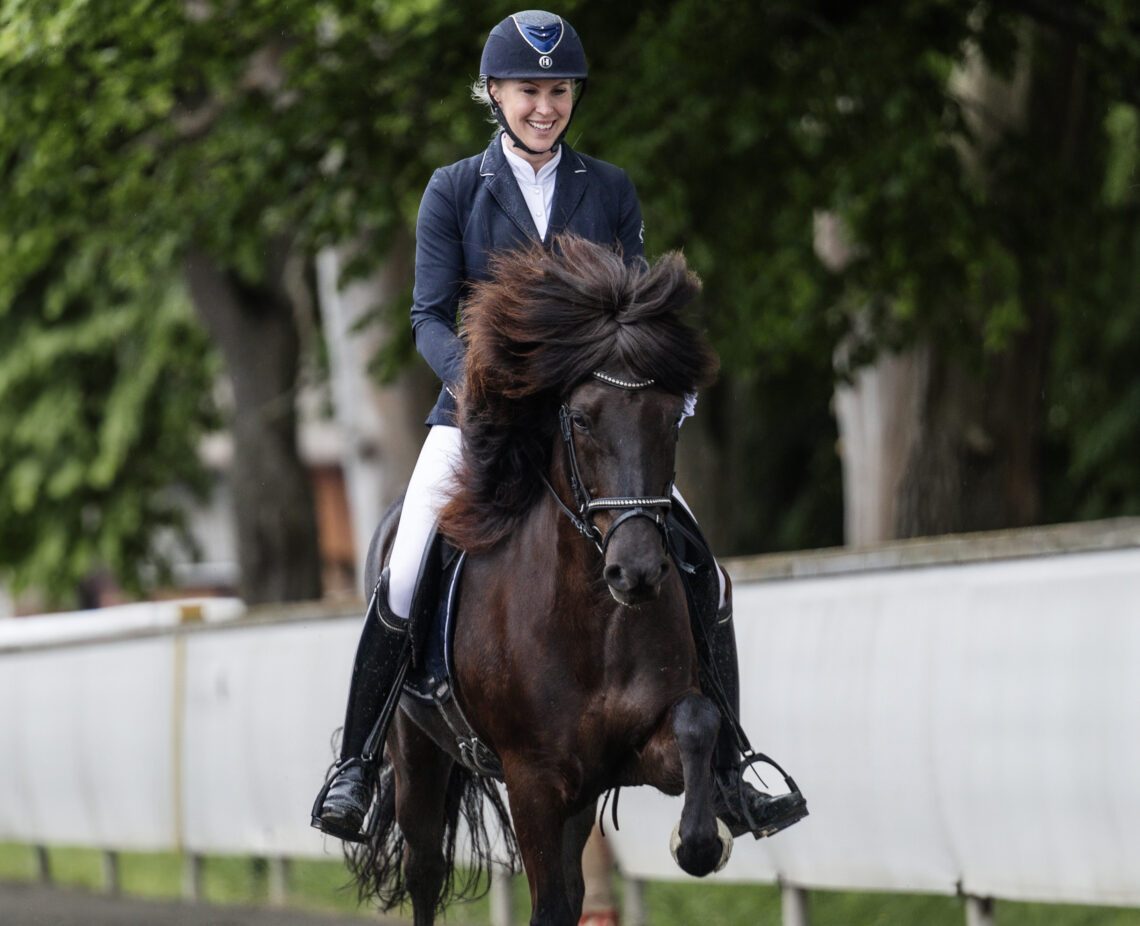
x: 537, y: 112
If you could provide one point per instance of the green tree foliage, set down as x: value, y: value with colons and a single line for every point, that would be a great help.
x: 129, y: 136
x: 133, y: 134
x: 101, y: 398
x: 246, y: 134
x: 741, y: 122
x: 1094, y: 412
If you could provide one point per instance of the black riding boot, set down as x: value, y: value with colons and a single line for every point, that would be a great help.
x: 381, y: 661
x: 743, y: 808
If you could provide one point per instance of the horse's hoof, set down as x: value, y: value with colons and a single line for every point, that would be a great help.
x: 723, y: 836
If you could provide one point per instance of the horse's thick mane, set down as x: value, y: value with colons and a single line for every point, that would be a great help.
x: 541, y: 324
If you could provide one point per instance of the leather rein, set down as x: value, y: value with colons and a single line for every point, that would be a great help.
x: 640, y: 506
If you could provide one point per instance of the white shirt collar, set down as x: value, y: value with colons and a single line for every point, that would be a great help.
x: 537, y: 189
x: 523, y: 169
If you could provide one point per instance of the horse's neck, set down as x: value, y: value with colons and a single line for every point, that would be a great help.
x: 547, y: 543
x: 548, y: 533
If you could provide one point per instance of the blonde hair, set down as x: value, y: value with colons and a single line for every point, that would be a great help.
x: 481, y: 93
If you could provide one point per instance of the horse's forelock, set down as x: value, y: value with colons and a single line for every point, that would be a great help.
x: 542, y: 323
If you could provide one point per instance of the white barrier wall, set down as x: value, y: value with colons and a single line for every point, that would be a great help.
x: 213, y: 739
x: 969, y: 726
x: 953, y: 727
x: 261, y: 707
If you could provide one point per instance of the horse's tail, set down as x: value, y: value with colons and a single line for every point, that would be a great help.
x: 377, y: 865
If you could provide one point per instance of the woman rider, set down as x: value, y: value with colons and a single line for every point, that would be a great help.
x: 527, y: 186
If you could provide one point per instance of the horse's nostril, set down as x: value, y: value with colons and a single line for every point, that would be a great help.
x: 614, y: 575
x: 662, y: 570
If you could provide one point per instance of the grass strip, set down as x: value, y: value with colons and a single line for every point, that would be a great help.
x: 323, y: 886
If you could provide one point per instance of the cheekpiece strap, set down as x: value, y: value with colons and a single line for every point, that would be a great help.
x: 631, y: 384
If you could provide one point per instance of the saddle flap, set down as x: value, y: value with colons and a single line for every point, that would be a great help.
x: 432, y: 615
x: 439, y: 556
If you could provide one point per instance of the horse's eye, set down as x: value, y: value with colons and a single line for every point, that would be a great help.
x: 580, y: 421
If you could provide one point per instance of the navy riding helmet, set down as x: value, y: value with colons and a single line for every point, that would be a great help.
x: 533, y: 45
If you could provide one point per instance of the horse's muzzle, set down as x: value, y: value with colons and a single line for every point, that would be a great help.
x: 635, y: 579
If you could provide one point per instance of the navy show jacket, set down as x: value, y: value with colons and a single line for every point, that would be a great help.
x: 474, y: 208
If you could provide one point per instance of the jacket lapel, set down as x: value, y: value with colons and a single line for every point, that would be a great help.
x: 569, y: 189
x: 500, y: 183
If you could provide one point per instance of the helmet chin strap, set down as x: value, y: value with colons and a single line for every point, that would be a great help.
x: 518, y: 142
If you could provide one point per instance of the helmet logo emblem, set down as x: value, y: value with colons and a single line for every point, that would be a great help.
x: 545, y: 61
x: 542, y: 37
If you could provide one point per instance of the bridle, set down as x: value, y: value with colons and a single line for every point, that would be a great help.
x: 640, y: 506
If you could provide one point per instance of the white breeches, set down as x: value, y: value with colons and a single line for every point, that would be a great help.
x: 428, y: 491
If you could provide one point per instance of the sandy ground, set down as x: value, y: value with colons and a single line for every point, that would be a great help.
x: 33, y: 905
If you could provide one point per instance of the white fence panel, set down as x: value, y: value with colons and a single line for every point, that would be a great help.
x: 86, y: 747
x: 261, y: 705
x: 966, y: 726
x: 87, y: 751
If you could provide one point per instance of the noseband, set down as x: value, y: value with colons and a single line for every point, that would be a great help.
x: 630, y: 506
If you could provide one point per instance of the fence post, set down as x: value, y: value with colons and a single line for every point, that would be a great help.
x: 979, y: 911
x: 794, y: 905
x: 633, y: 902
x: 192, y: 877
x: 278, y: 881
x: 502, y: 912
x: 43, y: 865
x: 111, y: 882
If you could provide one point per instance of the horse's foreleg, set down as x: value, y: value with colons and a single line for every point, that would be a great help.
x: 539, y: 815
x: 574, y: 837
x: 700, y: 843
x: 422, y: 774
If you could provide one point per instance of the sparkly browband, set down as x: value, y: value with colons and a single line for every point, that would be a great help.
x: 622, y: 383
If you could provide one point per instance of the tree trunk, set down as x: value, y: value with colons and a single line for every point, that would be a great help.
x: 973, y: 463
x: 878, y: 418
x: 255, y: 329
x: 972, y: 458
x: 976, y: 464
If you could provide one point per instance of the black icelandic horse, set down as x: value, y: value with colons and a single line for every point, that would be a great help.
x: 574, y: 657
